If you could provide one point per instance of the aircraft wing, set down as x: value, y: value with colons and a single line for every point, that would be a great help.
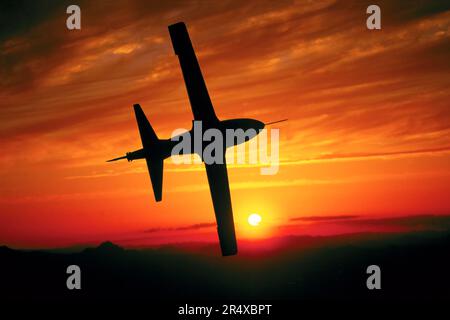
x: 220, y: 194
x: 201, y: 105
x: 155, y: 164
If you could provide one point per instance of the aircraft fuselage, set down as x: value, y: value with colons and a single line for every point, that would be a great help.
x: 241, y: 130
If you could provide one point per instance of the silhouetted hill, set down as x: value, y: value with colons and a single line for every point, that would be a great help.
x: 4, y: 249
x: 414, y: 266
x: 106, y: 247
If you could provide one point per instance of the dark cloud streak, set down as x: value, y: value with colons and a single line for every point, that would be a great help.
x: 184, y: 228
x: 323, y: 218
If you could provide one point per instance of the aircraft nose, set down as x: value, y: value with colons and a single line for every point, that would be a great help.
x: 259, y: 125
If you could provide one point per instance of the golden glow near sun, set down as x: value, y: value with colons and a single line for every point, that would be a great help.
x: 254, y: 219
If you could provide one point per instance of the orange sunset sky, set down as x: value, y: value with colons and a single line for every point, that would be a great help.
x: 368, y: 132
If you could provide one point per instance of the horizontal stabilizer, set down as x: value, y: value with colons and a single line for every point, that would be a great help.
x: 155, y: 168
x: 152, y: 153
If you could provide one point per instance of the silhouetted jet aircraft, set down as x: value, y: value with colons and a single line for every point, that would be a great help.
x: 155, y: 150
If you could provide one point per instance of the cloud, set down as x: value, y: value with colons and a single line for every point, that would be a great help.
x: 363, y: 155
x: 183, y: 228
x: 419, y: 222
x: 320, y: 159
x: 276, y: 182
x: 360, y: 223
x: 295, y: 37
x: 323, y: 218
x: 350, y: 94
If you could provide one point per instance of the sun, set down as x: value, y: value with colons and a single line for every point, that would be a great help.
x: 254, y: 219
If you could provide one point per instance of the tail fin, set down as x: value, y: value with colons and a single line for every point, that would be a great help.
x: 150, y: 142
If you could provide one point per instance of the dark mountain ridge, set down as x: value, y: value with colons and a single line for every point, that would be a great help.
x: 413, y: 266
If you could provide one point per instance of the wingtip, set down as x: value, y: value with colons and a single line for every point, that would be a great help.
x: 230, y: 253
x: 176, y: 24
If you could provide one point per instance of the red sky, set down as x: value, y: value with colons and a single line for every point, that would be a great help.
x: 368, y: 129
